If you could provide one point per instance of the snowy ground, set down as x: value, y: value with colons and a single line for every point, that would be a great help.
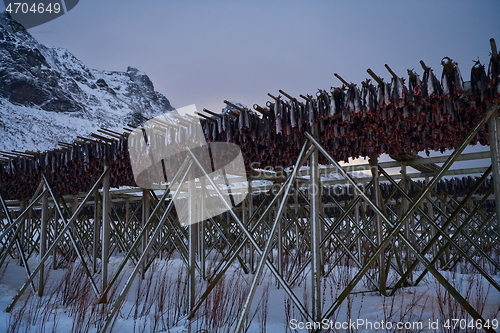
x: 155, y: 303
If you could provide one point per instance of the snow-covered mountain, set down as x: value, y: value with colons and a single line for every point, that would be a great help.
x: 48, y: 95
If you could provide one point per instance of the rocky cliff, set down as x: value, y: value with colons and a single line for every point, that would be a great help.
x: 48, y: 95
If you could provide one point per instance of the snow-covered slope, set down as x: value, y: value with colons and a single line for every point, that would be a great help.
x: 48, y: 95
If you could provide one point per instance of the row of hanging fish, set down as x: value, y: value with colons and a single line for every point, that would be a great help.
x: 424, y: 114
x: 455, y: 186
x: 72, y: 171
x: 393, y: 117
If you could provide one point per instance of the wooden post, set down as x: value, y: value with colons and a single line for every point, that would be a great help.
x: 201, y: 230
x: 192, y: 231
x: 43, y: 240
x: 106, y: 234
x: 315, y: 232
x: 373, y: 161
x: 250, y: 213
x: 494, y: 139
x: 97, y: 228
x: 145, y: 216
x: 56, y: 233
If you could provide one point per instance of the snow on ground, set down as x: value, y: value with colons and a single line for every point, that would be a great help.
x: 159, y: 310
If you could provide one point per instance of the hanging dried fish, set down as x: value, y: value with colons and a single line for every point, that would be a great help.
x: 414, y: 86
x: 278, y: 106
x: 432, y: 84
x: 310, y: 112
x: 478, y: 80
x: 293, y: 118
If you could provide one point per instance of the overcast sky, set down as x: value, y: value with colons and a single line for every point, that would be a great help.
x: 203, y: 52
